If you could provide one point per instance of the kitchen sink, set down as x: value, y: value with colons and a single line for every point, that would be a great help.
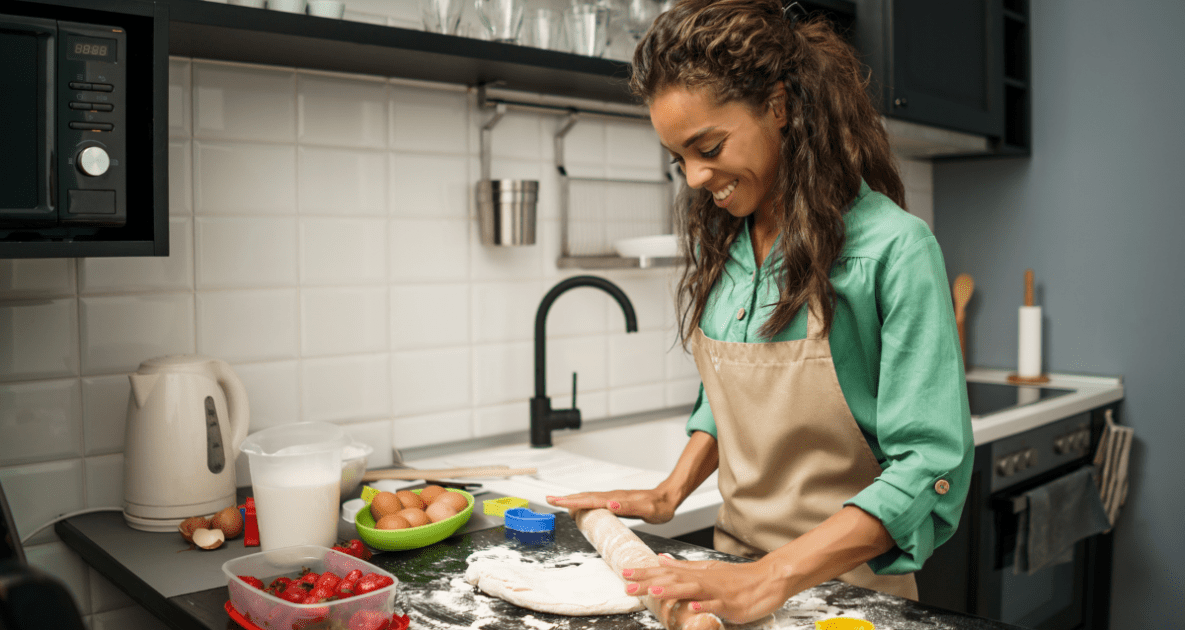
x: 631, y: 456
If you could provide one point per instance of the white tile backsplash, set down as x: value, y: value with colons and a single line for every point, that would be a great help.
x: 38, y: 339
x: 40, y: 420
x: 427, y: 185
x: 424, y: 381
x: 343, y: 320
x: 248, y: 325
x: 26, y: 488
x: 143, y: 273
x: 429, y: 315
x: 341, y: 110
x: 104, y: 481
x: 120, y: 332
x: 345, y: 389
x: 243, y: 102
x: 244, y: 178
x: 104, y: 413
x: 340, y: 251
x: 273, y: 392
x: 180, y: 99
x: 434, y: 120
x: 434, y: 250
x: 36, y: 278
x: 180, y: 177
x: 342, y: 182
x: 241, y: 252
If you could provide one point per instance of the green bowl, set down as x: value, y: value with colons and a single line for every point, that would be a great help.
x: 412, y: 537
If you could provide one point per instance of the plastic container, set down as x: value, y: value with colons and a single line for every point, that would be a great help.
x: 296, y: 476
x: 412, y: 537
x: 354, y: 460
x: 269, y: 612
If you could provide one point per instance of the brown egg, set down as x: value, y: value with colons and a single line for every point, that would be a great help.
x: 415, y: 516
x: 384, y: 503
x: 429, y: 493
x: 392, y: 521
x: 410, y: 499
x: 439, y: 511
x: 454, y: 500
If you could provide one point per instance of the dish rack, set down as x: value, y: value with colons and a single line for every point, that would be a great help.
x: 596, y: 212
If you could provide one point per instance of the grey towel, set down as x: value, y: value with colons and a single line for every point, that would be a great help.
x: 1059, y: 514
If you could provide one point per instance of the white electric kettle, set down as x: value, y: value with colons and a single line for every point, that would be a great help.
x: 187, y: 416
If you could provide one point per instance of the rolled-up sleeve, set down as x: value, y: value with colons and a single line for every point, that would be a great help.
x: 701, y: 416
x: 923, y: 424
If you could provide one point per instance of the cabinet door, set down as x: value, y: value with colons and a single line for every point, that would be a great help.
x: 946, y: 64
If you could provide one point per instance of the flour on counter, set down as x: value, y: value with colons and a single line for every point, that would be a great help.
x: 577, y: 588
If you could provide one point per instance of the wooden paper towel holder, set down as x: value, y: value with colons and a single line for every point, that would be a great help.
x: 1014, y: 378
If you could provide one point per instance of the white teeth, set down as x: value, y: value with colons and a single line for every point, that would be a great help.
x: 723, y: 193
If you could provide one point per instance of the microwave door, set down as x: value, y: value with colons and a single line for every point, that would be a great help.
x: 27, y: 126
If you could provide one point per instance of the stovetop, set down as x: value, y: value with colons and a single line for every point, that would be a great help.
x: 989, y: 398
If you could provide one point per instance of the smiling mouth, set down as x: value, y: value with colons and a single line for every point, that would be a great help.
x: 723, y: 193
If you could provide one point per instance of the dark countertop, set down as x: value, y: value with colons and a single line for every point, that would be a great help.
x: 432, y: 593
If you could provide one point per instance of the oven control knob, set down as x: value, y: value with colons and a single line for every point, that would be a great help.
x: 1006, y: 466
x: 93, y: 161
x: 1061, y: 445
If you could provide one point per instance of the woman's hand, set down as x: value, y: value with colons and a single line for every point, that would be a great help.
x: 653, y: 506
x: 735, y: 592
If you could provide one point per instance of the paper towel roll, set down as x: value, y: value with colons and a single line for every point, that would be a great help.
x: 1029, y: 342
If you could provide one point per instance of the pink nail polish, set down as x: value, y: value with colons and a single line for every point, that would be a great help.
x: 614, y: 505
x: 696, y: 606
x: 657, y: 590
x: 627, y: 572
x: 631, y: 588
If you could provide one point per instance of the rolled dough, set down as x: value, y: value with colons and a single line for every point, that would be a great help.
x: 587, y: 588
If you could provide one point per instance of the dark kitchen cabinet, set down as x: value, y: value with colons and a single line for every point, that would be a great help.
x: 959, y: 65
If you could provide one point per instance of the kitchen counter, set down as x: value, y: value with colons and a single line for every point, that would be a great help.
x: 1089, y: 392
x: 430, y: 590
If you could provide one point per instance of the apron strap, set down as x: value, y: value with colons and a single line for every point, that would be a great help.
x: 814, y: 319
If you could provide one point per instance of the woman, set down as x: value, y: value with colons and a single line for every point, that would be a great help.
x: 819, y: 314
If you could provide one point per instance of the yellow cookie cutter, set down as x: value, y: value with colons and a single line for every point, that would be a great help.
x: 498, y: 507
x: 844, y: 623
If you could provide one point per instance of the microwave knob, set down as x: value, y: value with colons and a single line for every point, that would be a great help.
x: 93, y: 161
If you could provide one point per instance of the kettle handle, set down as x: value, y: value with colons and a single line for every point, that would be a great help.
x: 236, y: 402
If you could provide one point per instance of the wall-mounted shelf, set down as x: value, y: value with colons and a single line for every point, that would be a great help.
x: 232, y: 33
x: 615, y: 262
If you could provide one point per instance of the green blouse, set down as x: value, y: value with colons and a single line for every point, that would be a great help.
x: 896, y: 353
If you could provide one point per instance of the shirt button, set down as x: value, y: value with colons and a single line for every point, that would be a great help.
x: 942, y: 486
x: 741, y: 313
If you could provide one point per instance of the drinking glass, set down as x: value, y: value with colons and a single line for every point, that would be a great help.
x: 543, y: 29
x: 588, y: 29
x: 441, y: 16
x: 502, y: 18
x: 639, y: 15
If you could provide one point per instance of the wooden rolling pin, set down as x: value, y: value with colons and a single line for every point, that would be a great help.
x: 621, y: 548
x: 445, y: 473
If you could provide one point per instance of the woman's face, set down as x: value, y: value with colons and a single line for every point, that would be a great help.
x: 727, y: 149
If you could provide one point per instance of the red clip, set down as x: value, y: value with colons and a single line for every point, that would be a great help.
x: 251, y: 526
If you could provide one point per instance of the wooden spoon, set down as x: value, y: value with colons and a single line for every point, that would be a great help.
x: 964, y: 287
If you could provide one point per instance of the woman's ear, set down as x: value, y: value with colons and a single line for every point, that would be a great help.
x: 777, y: 105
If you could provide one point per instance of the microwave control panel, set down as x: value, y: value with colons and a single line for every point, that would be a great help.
x: 91, y: 124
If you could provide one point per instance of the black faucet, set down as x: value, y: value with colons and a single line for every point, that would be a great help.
x: 544, y: 419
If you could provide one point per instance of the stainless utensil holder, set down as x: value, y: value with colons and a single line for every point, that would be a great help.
x: 506, y: 208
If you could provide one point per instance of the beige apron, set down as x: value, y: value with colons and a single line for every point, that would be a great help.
x: 790, y: 451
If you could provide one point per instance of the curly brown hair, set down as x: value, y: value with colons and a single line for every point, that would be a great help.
x: 740, y: 50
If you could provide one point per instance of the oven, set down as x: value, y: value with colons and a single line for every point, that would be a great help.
x: 975, y: 573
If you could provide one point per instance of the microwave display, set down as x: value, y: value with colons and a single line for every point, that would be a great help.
x: 84, y: 48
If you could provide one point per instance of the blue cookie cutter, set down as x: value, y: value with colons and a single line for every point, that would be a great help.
x: 524, y: 520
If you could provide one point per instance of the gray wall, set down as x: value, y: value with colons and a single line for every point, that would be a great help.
x: 1097, y: 213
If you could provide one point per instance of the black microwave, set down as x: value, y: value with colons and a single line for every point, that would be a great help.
x: 83, y: 128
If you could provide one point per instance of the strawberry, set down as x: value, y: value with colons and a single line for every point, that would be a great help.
x: 345, y: 588
x: 279, y: 584
x: 369, y: 620
x: 358, y: 550
x: 343, y: 549
x: 253, y: 581
x: 309, y: 578
x: 371, y: 582
x: 295, y: 593
x: 400, y: 622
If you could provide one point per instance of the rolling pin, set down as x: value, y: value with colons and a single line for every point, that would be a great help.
x: 621, y: 548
